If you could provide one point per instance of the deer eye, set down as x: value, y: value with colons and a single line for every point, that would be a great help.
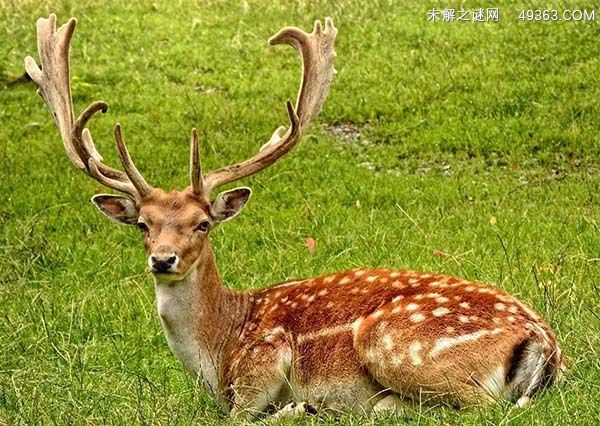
x: 203, y: 226
x: 142, y: 227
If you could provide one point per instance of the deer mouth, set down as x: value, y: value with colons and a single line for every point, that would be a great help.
x: 167, y: 277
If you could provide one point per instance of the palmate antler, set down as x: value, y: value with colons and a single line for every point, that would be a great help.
x: 316, y: 51
x: 55, y: 87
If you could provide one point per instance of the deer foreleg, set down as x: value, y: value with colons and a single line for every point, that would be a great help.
x: 261, y: 378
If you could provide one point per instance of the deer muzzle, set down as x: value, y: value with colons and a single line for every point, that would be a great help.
x: 163, y: 260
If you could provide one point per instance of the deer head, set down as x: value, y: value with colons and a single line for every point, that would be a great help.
x: 174, y: 225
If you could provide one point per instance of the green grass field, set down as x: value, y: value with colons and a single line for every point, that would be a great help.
x: 462, y: 148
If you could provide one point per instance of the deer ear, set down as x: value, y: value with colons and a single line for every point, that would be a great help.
x: 228, y: 204
x: 118, y: 208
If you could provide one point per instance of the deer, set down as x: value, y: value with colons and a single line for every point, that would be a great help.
x: 362, y: 341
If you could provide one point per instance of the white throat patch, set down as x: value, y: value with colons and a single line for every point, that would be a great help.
x: 177, y: 305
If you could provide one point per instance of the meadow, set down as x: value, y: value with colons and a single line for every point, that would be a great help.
x: 463, y: 148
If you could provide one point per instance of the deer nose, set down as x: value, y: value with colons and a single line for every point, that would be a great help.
x: 163, y: 262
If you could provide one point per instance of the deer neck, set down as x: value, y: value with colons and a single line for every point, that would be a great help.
x: 200, y: 317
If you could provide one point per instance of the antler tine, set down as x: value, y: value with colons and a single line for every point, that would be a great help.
x: 196, y: 179
x: 53, y: 81
x: 84, y: 144
x: 125, y: 187
x: 316, y: 50
x: 54, y: 84
x: 317, y: 54
x: 132, y: 172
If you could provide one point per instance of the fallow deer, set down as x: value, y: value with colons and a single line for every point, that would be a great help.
x: 362, y: 340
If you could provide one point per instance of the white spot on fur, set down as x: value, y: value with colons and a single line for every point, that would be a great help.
x: 325, y: 332
x: 419, y: 297
x: 413, y: 281
x: 377, y: 314
x: 398, y: 284
x: 469, y: 288
x: 433, y: 295
x: 442, y: 299
x: 500, y: 306
x: 323, y: 292
x: 434, y: 284
x: 397, y: 310
x: 344, y: 280
x: 513, y: 309
x: 371, y: 278
x: 464, y: 305
x: 417, y: 317
x: 329, y: 279
x: 413, y: 352
x: 412, y: 307
x: 397, y: 299
x: 394, y: 274
x: 448, y: 342
x: 450, y: 330
x: 463, y: 318
x: 360, y: 273
x: 511, y: 319
x: 397, y: 360
x: 503, y: 298
x: 388, y: 343
x: 440, y: 312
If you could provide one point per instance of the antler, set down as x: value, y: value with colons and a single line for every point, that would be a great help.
x: 317, y: 54
x: 55, y: 87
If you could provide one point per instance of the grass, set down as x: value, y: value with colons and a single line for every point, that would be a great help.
x: 477, y: 156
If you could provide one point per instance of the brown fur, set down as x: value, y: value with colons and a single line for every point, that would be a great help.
x: 311, y: 315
